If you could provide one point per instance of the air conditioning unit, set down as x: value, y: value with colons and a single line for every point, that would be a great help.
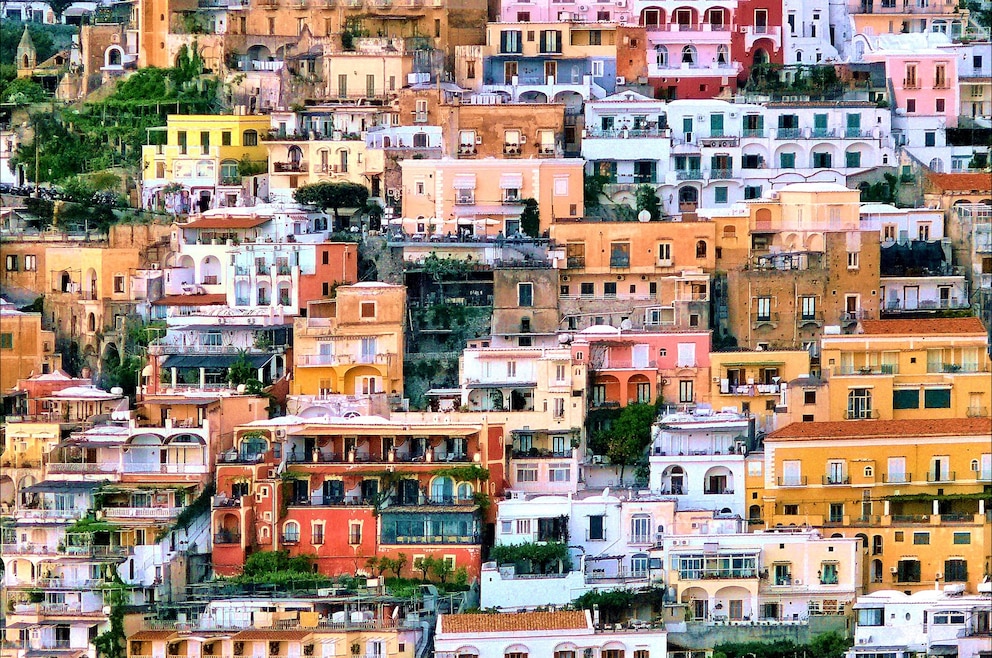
x: 743, y: 29
x: 391, y: 192
x: 271, y: 474
x: 644, y: 277
x: 621, y: 80
x: 478, y: 140
x: 621, y: 277
x: 583, y: 8
x: 597, y: 459
x: 564, y: 278
x: 621, y: 3
x: 894, y: 570
x: 797, y: 582
x: 280, y: 434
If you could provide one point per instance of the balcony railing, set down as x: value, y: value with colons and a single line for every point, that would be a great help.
x: 787, y: 133
x: 798, y: 481
x: 722, y: 174
x: 946, y: 476
x: 141, y: 512
x: 289, y: 167
x: 950, y: 368
x: 689, y: 174
x: 227, y: 538
x: 977, y: 412
x: 861, y: 414
x: 868, y: 370
x: 897, y: 478
x: 910, y: 518
x: 717, y: 574
x: 70, y: 467
x: 836, y: 479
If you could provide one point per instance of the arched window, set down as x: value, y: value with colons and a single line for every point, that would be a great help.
x: 249, y: 138
x: 722, y: 55
x: 701, y: 249
x: 386, y: 141
x: 253, y: 447
x: 228, y: 170
x: 754, y: 513
x: 689, y: 55
x: 291, y: 532
x: 465, y: 491
x: 91, y: 323
x: 869, y: 471
x: 263, y: 532
x: 937, y: 165
x: 442, y: 489
x: 730, y: 231
x: 661, y: 55
x: 760, y: 57
x: 799, y: 57
x: 859, y: 403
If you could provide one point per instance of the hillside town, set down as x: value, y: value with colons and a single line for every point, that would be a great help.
x: 495, y: 329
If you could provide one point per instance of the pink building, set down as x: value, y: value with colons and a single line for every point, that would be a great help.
x: 551, y: 11
x: 923, y: 71
x: 627, y: 367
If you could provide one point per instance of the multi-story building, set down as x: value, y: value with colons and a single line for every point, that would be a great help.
x: 808, y: 33
x: 561, y: 60
x: 485, y: 197
x: 883, y: 17
x: 908, y: 489
x: 920, y: 275
x: 975, y: 80
x: 25, y: 349
x: 397, y: 487
x: 650, y: 276
x: 923, y: 368
x: 971, y: 232
x: 902, y: 224
x: 542, y: 634
x: 699, y: 458
x: 751, y: 381
x: 202, y: 161
x: 627, y: 367
x: 934, y: 622
x: 351, y: 344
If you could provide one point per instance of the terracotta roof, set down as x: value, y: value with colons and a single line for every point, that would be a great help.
x: 923, y: 326
x: 226, y: 222
x: 849, y: 429
x: 962, y: 182
x: 191, y: 300
x: 511, y: 622
x: 149, y: 634
x: 273, y: 635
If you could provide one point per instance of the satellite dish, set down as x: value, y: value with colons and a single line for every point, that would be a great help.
x: 626, y: 325
x: 606, y: 492
x: 644, y: 216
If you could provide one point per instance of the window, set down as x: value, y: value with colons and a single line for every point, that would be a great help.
x: 955, y: 571
x: 510, y: 42
x: 597, y: 531
x: 940, y: 104
x: 720, y: 194
x: 559, y: 473
x: 587, y: 289
x: 701, y: 249
x: 921, y: 538
x: 752, y: 192
x: 764, y: 305
x: 859, y: 404
x: 367, y: 310
x: 7, y: 341
x: 317, y: 534
x: 908, y: 571
x: 787, y: 160
x: 527, y: 474
x: 871, y: 617
x: 610, y: 289
x: 119, y: 283
x: 550, y: 41
x: 354, y: 533
x: 937, y: 398
x: 836, y: 513
x: 852, y: 159
x: 688, y: 55
x: 962, y: 537
x: 11, y: 262
x: 828, y: 573
x: 291, y: 532
x: 910, y: 105
x: 249, y: 138
x: 686, y: 393
x: 908, y: 398
x: 525, y: 294
x: 822, y: 160
x: 620, y: 254
x: 30, y: 263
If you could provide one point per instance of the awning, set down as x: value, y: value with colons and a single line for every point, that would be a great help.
x: 214, y: 360
x: 942, y: 650
x: 63, y: 486
x: 511, y: 181
x: 464, y: 182
x: 474, y: 210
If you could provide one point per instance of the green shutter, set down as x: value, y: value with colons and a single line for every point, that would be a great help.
x: 906, y: 398
x: 937, y: 398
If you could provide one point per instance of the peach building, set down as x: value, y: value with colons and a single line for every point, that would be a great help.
x: 484, y: 197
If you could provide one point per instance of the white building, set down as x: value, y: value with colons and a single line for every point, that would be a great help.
x: 902, y: 224
x: 806, y: 32
x: 891, y: 624
x: 699, y: 459
x: 576, y: 633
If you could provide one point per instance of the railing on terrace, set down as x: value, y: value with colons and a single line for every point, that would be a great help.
x: 897, y: 478
x: 141, y: 512
x: 910, y: 518
x: 797, y: 481
x: 627, y: 133
x: 71, y: 467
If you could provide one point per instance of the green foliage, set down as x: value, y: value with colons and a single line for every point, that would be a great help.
x: 613, y: 604
x: 469, y: 473
x: 58, y: 7
x: 828, y: 645
x: 335, y: 196
x: 593, y: 187
x: 241, y: 373
x: 647, y: 199
x: 197, y: 508
x: 22, y: 91
x: 89, y: 524
x: 817, y: 80
x: 47, y: 39
x: 532, y: 557
x: 530, y: 218
x: 110, y: 643
x: 37, y: 306
x: 444, y: 269
x: 248, y: 167
x: 628, y: 436
x: 277, y: 567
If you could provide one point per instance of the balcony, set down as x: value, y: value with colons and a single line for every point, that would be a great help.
x: 626, y: 133
x: 861, y: 414
x: 69, y: 468
x: 750, y: 390
x: 160, y: 513
x: 897, y: 478
x: 945, y: 476
x: 689, y: 174
x: 953, y: 368
x: 722, y: 142
x: 343, y: 359
x: 754, y: 133
x: 796, y: 481
x: 910, y: 83
x: 764, y: 318
x: 721, y: 174
x: 836, y: 480
x: 910, y: 518
x: 788, y: 133
x: 511, y: 149
x: 227, y: 538
x: 718, y: 574
x: 717, y: 491
x: 290, y: 167
x: 868, y: 370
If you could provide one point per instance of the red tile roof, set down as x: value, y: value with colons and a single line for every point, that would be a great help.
x: 924, y: 326
x: 226, y: 222
x: 153, y: 634
x: 849, y: 429
x: 980, y: 182
x: 515, y: 621
x: 271, y: 635
x: 191, y: 300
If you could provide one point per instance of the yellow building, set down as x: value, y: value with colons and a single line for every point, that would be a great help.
x: 483, y: 197
x: 296, y: 160
x: 751, y: 382
x: 900, y: 369
x: 911, y: 490
x: 25, y: 349
x: 376, y: 68
x: 352, y: 344
x: 201, y: 153
x: 876, y: 17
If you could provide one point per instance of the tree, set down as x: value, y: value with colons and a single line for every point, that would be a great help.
x: 441, y: 569
x: 23, y: 91
x: 647, y: 199
x: 591, y: 189
x: 530, y: 218
x: 59, y: 7
x: 335, y: 196
x: 627, y: 437
x: 423, y: 565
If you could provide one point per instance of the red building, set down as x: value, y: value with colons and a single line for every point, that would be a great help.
x: 636, y: 366
x: 334, y: 263
x: 346, y: 490
x: 757, y: 37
